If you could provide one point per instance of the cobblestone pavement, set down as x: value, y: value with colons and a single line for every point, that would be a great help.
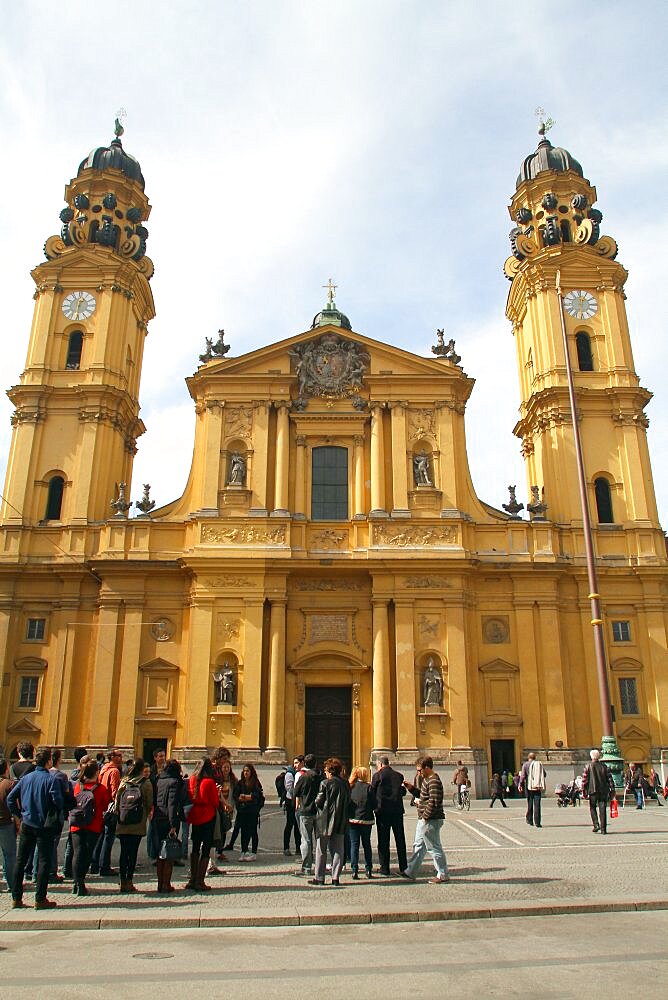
x: 498, y: 864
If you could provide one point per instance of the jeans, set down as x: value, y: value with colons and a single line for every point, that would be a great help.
x: 428, y: 838
x: 84, y: 842
x: 291, y: 825
x: 68, y: 857
x: 306, y: 824
x: 202, y: 838
x: 8, y: 847
x: 500, y: 798
x: 335, y: 843
x: 360, y: 832
x: 32, y: 836
x: 533, y: 808
x: 102, y: 851
x: 128, y: 861
x: 393, y: 821
x: 598, y: 810
x: 185, y: 833
x: 639, y: 797
x: 249, y: 834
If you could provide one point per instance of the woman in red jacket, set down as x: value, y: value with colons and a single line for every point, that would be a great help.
x: 86, y: 823
x: 202, y: 818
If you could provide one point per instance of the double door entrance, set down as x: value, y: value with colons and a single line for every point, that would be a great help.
x: 329, y: 723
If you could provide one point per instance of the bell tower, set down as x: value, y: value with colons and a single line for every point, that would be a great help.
x: 557, y: 244
x: 76, y: 417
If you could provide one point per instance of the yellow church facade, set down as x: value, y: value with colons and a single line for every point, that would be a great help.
x: 329, y: 581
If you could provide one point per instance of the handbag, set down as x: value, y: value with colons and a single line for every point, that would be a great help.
x: 171, y: 849
x: 614, y: 809
x: 225, y: 821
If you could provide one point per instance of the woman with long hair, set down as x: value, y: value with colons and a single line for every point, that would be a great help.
x: 249, y: 798
x: 222, y: 769
x: 167, y: 817
x: 84, y: 829
x: 361, y: 820
x: 134, y: 801
x: 331, y: 821
x: 202, y: 819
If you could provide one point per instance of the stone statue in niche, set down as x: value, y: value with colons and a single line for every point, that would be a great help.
x: 432, y: 685
x: 237, y: 475
x: 421, y: 471
x: 225, y: 686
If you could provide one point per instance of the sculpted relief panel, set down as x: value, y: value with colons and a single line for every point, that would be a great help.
x: 242, y: 535
x: 414, y: 537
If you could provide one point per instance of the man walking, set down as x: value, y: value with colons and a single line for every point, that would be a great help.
x: 110, y: 778
x: 430, y: 821
x: 387, y: 792
x: 306, y: 790
x: 598, y: 785
x: 532, y: 779
x: 38, y: 799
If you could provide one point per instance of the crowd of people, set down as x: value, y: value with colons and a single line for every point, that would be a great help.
x: 328, y: 814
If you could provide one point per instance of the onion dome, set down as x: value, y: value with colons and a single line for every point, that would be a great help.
x: 547, y: 157
x: 113, y: 157
x: 330, y: 315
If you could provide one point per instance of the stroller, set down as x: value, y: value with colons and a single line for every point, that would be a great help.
x: 570, y: 794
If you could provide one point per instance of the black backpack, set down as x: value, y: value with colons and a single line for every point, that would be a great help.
x: 84, y: 810
x: 280, y: 787
x: 130, y: 805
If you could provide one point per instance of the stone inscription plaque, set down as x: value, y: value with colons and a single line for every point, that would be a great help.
x: 328, y: 628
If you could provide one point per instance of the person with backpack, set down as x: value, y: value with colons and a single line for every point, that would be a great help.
x: 86, y: 822
x: 134, y: 801
x: 533, y: 780
x: 202, y: 819
x: 38, y: 799
x: 249, y: 798
x: 285, y: 786
x: 307, y: 787
x: 80, y: 755
x: 110, y: 777
x: 171, y: 793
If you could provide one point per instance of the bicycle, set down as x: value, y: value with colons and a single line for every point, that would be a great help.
x: 464, y: 803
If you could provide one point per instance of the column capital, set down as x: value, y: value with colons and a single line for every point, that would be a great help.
x: 282, y: 405
x: 300, y: 440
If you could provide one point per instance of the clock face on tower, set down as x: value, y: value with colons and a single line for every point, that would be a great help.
x: 580, y: 304
x: 79, y: 305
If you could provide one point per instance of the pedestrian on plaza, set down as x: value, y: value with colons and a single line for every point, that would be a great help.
x: 249, y: 800
x: 109, y: 778
x: 87, y: 822
x: 387, y: 787
x: 655, y: 787
x: 24, y: 764
x: 461, y: 779
x: 430, y: 821
x: 331, y: 821
x: 360, y: 820
x: 159, y: 757
x: 38, y: 799
x: 291, y: 828
x: 636, y: 778
x: 497, y: 789
x: 598, y: 785
x: 226, y: 781
x: 68, y: 803
x: 306, y: 791
x: 202, y: 820
x: 134, y: 801
x: 167, y: 818
x: 9, y: 826
x: 80, y: 754
x: 532, y: 780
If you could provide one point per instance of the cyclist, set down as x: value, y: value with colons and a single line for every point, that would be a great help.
x: 461, y: 780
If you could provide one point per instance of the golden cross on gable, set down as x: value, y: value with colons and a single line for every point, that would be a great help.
x: 331, y: 288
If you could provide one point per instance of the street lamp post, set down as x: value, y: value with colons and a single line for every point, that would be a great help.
x: 611, y: 753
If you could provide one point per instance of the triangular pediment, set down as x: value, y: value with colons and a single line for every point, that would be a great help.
x: 633, y: 732
x: 499, y: 666
x: 158, y: 665
x: 24, y: 726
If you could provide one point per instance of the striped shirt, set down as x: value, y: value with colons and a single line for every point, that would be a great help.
x: 430, y: 804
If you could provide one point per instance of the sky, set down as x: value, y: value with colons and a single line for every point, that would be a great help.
x: 284, y: 142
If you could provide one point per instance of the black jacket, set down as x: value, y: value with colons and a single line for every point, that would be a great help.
x: 387, y: 787
x: 361, y: 802
x: 332, y: 803
x: 168, y: 802
x: 307, y: 787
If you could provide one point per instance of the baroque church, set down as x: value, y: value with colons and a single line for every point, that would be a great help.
x: 329, y: 581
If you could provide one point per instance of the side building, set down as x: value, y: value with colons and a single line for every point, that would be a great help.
x: 329, y: 579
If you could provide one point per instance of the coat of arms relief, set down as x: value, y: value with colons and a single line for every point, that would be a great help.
x: 330, y: 367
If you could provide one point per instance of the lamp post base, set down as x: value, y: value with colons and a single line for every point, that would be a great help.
x: 610, y: 755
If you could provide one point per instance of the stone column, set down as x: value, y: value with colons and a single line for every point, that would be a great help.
x: 359, y: 513
x: 458, y: 680
x: 405, y: 655
x: 276, y: 716
x: 381, y: 678
x: 300, y: 479
x: 127, y: 685
x: 282, y: 461
x: 250, y: 694
x: 258, y: 477
x: 105, y: 637
x: 211, y: 458
x: 399, y: 462
x: 377, y: 463
x: 199, y: 673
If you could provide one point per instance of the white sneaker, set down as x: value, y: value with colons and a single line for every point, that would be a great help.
x: 243, y: 857
x: 251, y: 857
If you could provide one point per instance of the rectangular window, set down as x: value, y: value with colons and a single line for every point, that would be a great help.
x: 35, y: 629
x: 28, y: 693
x: 628, y: 695
x: 621, y: 631
x: 329, y: 484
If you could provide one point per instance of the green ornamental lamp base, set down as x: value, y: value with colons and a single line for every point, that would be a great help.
x: 610, y: 755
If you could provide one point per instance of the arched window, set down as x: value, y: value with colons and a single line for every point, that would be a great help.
x: 329, y: 484
x: 603, y: 501
x: 74, y: 350
x: 54, y: 501
x: 585, y: 356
